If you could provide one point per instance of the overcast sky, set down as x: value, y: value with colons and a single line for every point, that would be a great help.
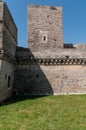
x: 74, y: 18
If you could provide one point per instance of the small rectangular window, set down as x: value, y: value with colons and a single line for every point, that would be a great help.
x: 44, y: 38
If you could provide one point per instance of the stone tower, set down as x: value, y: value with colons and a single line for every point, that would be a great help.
x: 45, y: 27
x: 8, y: 43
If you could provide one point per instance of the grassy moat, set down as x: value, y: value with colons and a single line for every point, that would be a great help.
x: 44, y: 113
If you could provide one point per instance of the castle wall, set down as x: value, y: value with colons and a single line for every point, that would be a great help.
x: 53, y: 53
x: 44, y: 27
x: 50, y: 73
x: 8, y: 30
x: 53, y: 80
x: 6, y: 79
x: 8, y: 43
x: 0, y: 67
x: 9, y: 22
x: 1, y: 35
x: 46, y: 67
x: 30, y: 80
x: 66, y: 79
x: 1, y: 18
x: 1, y: 11
x: 60, y: 53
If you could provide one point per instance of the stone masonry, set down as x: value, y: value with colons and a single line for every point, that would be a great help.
x: 8, y: 43
x: 47, y: 66
x: 44, y: 27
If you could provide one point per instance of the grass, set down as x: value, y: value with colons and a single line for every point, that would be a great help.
x: 44, y: 113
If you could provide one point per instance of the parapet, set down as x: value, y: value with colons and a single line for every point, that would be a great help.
x: 80, y: 46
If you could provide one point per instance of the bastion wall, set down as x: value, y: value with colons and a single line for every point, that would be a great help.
x: 8, y: 44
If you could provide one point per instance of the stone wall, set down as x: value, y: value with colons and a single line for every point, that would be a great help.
x: 9, y: 22
x: 50, y: 79
x: 46, y: 68
x: 66, y: 79
x: 8, y: 43
x: 1, y: 11
x: 0, y: 68
x: 1, y: 35
x: 52, y: 53
x: 1, y: 19
x: 50, y: 75
x: 6, y: 80
x: 8, y: 30
x: 44, y: 27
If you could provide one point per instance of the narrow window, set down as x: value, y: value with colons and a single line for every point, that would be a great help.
x: 9, y: 81
x: 44, y: 38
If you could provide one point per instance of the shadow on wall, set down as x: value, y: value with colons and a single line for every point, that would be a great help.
x: 29, y: 76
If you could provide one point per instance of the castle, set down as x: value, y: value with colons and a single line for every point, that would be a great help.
x: 47, y: 66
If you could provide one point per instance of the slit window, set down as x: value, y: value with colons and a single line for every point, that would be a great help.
x: 9, y: 78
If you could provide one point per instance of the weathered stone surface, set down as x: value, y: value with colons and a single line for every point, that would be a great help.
x: 9, y: 22
x: 1, y: 35
x: 53, y: 79
x: 45, y: 27
x: 52, y: 53
x: 47, y: 67
x: 8, y: 43
x: 45, y: 80
x: 7, y: 69
x: 8, y: 30
x: 1, y: 10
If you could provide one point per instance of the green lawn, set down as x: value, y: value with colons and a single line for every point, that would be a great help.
x: 44, y: 113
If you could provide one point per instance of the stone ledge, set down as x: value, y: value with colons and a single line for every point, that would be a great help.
x: 4, y: 55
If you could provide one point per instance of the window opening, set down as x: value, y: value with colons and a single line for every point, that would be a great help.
x: 44, y: 38
x: 9, y: 78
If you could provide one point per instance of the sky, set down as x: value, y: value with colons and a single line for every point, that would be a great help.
x: 74, y: 18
